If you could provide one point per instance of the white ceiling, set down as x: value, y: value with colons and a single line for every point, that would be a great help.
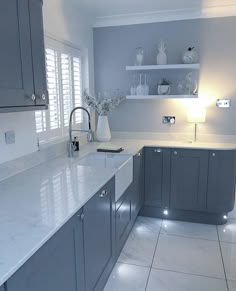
x: 103, y: 8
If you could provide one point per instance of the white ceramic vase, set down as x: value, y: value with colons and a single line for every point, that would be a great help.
x: 161, y: 58
x: 103, y: 129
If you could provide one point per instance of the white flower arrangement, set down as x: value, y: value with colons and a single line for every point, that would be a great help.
x: 102, y: 105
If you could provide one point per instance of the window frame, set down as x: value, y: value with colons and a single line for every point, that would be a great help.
x: 61, y: 133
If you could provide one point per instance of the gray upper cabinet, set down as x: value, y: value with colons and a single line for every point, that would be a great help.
x: 16, y: 75
x: 221, y: 181
x: 53, y: 267
x: 157, y: 177
x: 99, y: 221
x: 22, y: 61
x: 38, y: 49
x: 189, y: 171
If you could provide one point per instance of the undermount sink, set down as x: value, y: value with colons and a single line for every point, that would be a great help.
x: 123, y: 163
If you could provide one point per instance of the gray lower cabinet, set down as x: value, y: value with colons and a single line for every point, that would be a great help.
x: 221, y: 181
x: 189, y: 171
x: 2, y: 288
x: 99, y: 237
x: 123, y: 219
x: 157, y: 177
x: 138, y: 183
x: 54, y: 267
x: 22, y: 69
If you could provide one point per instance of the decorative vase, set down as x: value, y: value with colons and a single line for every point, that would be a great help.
x: 139, y: 56
x: 140, y: 90
x: 163, y: 89
x: 190, y: 56
x: 162, y: 56
x: 146, y: 87
x: 103, y: 132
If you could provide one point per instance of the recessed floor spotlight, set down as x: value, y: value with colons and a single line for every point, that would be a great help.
x: 166, y: 212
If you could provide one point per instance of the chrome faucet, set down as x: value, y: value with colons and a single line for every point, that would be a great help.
x: 90, y: 136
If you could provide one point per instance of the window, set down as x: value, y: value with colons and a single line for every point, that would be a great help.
x: 64, y: 79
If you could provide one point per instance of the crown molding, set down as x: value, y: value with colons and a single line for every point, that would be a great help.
x: 166, y: 15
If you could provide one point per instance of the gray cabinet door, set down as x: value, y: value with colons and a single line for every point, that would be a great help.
x: 2, y: 288
x: 221, y: 181
x: 79, y: 248
x: 123, y: 220
x: 157, y: 177
x: 189, y: 171
x: 98, y: 240
x: 52, y: 268
x: 138, y: 183
x: 38, y: 51
x: 16, y: 75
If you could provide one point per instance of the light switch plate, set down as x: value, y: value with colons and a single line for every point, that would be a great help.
x: 168, y: 119
x: 10, y: 137
x: 223, y: 103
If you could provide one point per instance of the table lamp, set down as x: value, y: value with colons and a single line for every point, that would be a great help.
x: 196, y: 115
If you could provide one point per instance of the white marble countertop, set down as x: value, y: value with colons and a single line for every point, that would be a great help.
x: 36, y: 203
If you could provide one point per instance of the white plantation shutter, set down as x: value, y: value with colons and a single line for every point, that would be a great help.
x: 53, y: 88
x: 40, y: 120
x: 77, y: 87
x: 64, y: 79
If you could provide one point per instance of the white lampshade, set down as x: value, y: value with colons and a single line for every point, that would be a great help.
x: 196, y: 115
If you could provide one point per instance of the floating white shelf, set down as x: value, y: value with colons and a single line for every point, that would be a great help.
x: 156, y: 97
x: 164, y: 67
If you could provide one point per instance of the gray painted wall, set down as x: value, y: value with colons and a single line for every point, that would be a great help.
x: 114, y: 48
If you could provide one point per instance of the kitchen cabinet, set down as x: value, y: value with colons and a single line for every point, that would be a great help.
x: 99, y: 237
x: 123, y: 220
x: 38, y: 52
x: 221, y: 181
x: 157, y: 177
x: 138, y: 183
x: 54, y: 266
x: 189, y: 171
x: 2, y: 288
x: 22, y: 61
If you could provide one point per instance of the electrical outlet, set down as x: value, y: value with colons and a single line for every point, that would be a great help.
x: 223, y: 103
x: 10, y: 137
x: 168, y: 120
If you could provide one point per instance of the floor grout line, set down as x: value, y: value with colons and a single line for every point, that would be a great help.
x: 192, y: 274
x: 154, y: 255
x: 185, y: 236
x: 222, y: 258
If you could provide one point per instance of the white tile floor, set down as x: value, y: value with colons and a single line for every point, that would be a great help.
x: 176, y: 256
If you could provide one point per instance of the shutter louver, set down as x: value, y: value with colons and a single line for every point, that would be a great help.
x: 66, y: 82
x: 53, y: 88
x: 77, y: 86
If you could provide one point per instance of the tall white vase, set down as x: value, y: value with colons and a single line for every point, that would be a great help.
x: 103, y: 129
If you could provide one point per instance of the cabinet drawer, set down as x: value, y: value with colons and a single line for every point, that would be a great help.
x: 123, y: 222
x: 123, y: 217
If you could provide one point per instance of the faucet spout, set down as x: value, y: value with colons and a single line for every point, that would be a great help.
x: 90, y: 137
